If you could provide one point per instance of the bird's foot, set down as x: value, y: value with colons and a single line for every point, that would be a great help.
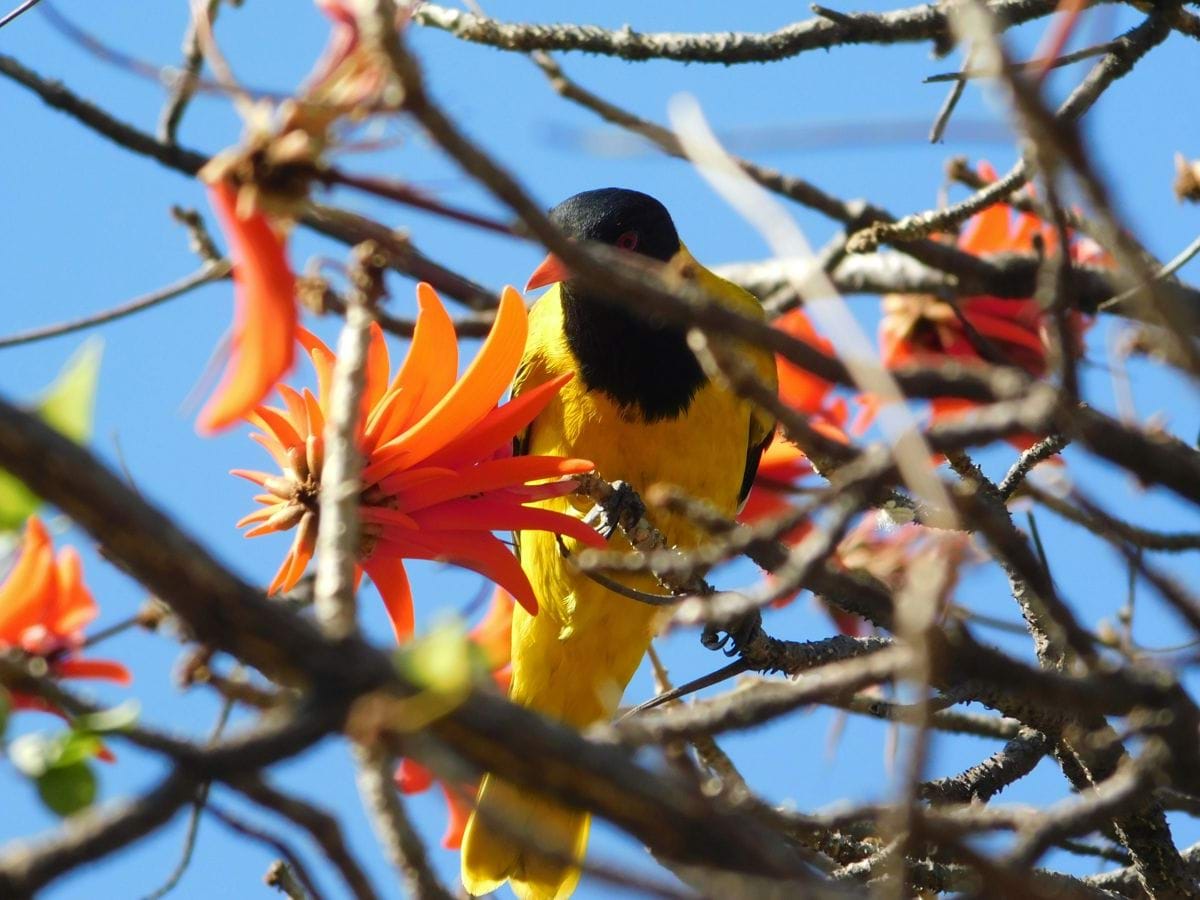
x: 734, y: 637
x: 622, y: 506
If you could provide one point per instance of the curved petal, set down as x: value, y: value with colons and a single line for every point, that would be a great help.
x: 486, y: 514
x: 27, y: 593
x: 264, y: 323
x: 411, y: 777
x: 379, y: 366
x: 431, y: 366
x: 302, y: 552
x: 105, y: 669
x: 490, y: 476
x: 475, y: 394
x: 297, y: 412
x: 277, y: 425
x: 493, y: 633
x: 459, y: 812
x: 322, y: 361
x: 500, y: 426
x: 479, y: 551
x: 987, y: 232
x: 74, y: 606
x: 391, y: 580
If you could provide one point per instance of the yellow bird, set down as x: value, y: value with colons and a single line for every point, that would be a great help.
x: 642, y: 409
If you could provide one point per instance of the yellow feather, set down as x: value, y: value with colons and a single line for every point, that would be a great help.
x: 572, y: 660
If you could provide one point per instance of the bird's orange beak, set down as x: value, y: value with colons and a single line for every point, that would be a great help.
x: 551, y: 271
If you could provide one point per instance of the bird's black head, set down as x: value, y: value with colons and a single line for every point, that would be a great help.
x: 621, y: 218
x: 644, y: 365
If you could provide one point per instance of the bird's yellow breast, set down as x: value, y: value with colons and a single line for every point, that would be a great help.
x: 703, y: 451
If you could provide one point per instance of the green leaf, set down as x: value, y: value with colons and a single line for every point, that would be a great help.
x: 68, y: 789
x: 74, y: 747
x: 36, y: 754
x: 440, y: 661
x: 67, y: 405
x: 17, y: 502
x: 107, y: 720
x: 5, y: 707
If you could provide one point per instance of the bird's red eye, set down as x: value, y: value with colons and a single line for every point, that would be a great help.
x: 628, y: 241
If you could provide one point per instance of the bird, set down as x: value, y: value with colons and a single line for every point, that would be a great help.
x: 641, y: 407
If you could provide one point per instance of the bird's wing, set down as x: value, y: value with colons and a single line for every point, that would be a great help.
x: 762, y: 422
x: 754, y: 452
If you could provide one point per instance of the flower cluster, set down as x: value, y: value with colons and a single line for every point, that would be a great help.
x: 44, y: 608
x: 439, y: 475
x: 921, y: 328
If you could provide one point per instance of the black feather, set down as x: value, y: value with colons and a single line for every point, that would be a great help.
x: 644, y: 367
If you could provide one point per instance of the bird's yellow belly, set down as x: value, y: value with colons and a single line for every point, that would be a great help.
x: 573, y: 660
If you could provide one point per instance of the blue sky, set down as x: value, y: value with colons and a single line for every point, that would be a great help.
x: 86, y: 225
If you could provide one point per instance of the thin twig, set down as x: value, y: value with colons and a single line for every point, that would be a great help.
x: 205, y: 275
x: 917, y: 23
x: 338, y: 524
x: 19, y: 10
x: 183, y: 85
x: 395, y: 831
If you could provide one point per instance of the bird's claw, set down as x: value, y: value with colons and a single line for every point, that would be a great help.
x: 734, y: 637
x: 622, y: 505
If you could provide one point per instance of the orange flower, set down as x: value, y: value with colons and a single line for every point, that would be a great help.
x: 493, y: 636
x: 44, y: 607
x: 438, y: 477
x: 264, y: 325
x: 921, y: 328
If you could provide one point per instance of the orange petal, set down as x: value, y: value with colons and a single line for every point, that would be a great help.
x: 476, y: 393
x: 74, y: 605
x: 301, y: 553
x: 259, y: 515
x: 259, y: 478
x: 431, y: 366
x: 264, y: 322
x: 322, y: 361
x: 273, y: 447
x: 381, y: 515
x: 799, y: 388
x: 389, y: 418
x: 478, y: 551
x: 1009, y: 332
x: 391, y: 580
x: 316, y: 418
x: 987, y: 232
x: 28, y: 592
x: 104, y: 669
x: 499, y: 426
x: 297, y: 413
x: 456, y: 826
x: 491, y: 475
x: 282, y: 573
x: 493, y: 634
x: 411, y: 777
x: 378, y: 368
x: 277, y: 425
x: 488, y: 514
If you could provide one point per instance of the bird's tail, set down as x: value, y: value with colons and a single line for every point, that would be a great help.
x: 491, y: 856
x: 575, y: 675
